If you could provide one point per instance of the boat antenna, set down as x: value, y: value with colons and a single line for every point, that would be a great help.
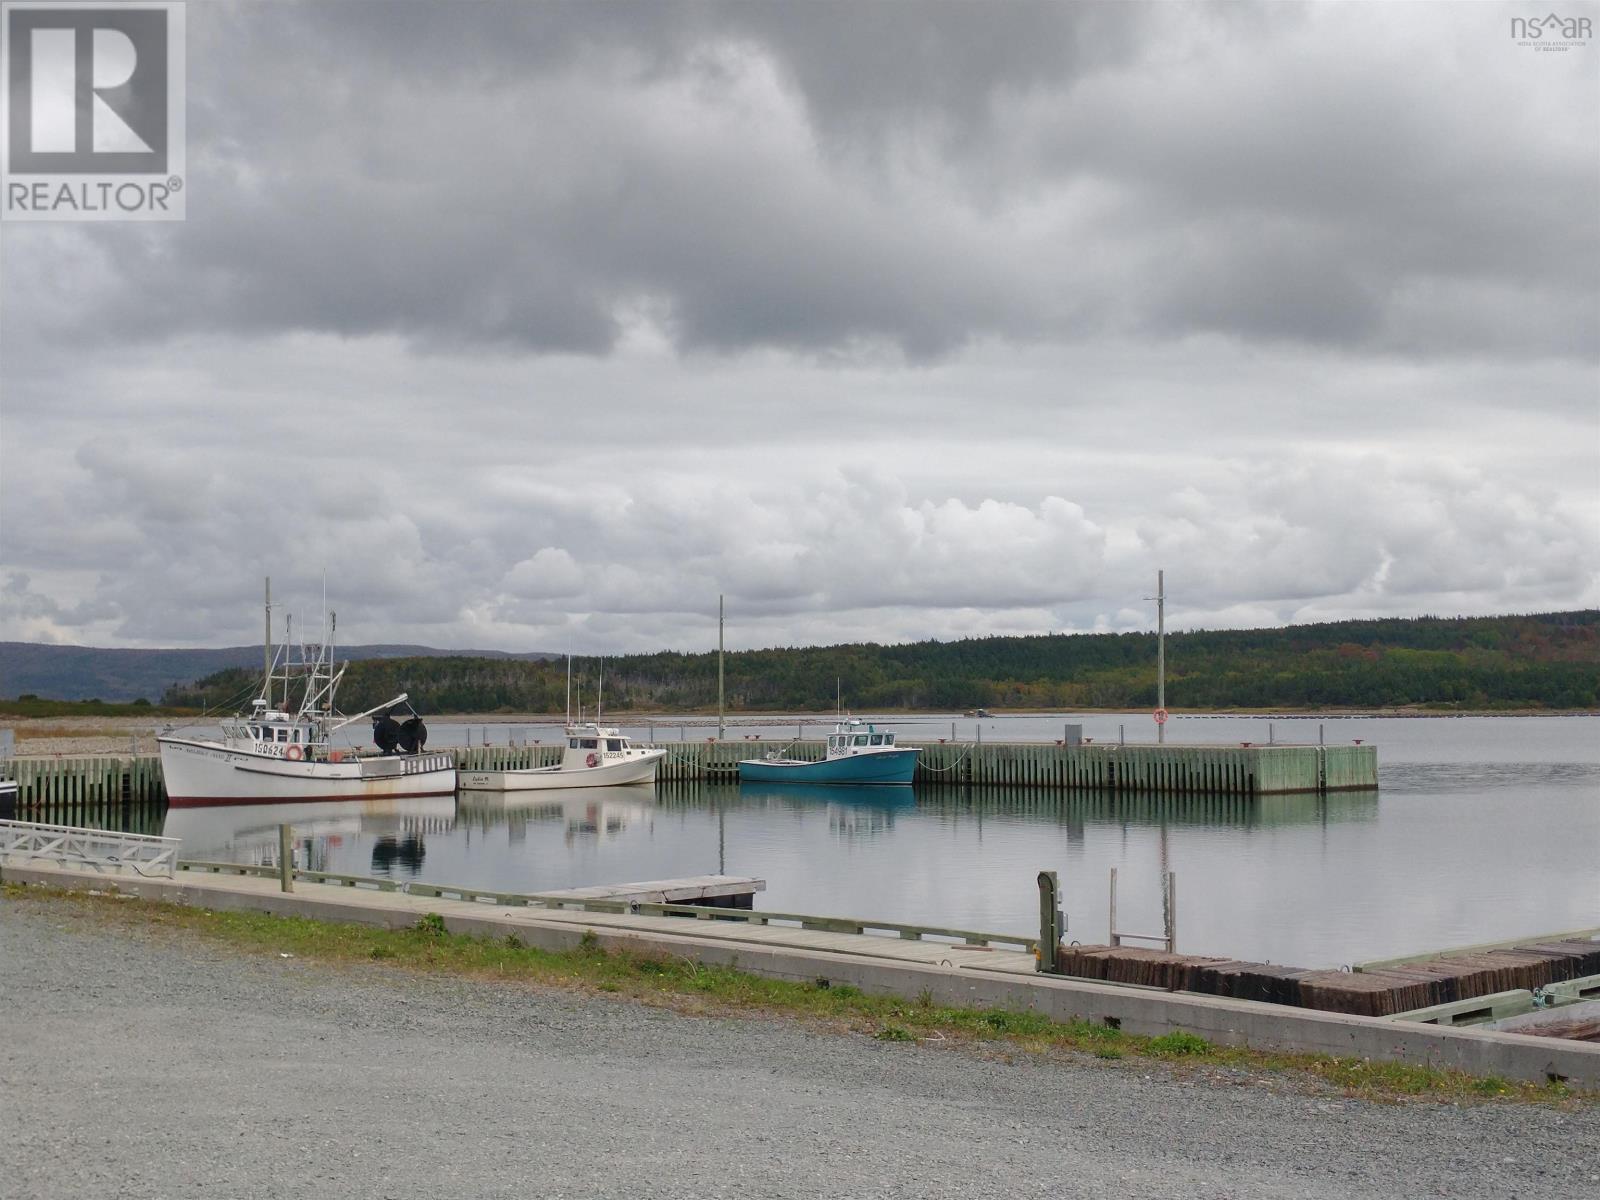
x: 838, y: 695
x: 569, y: 689
x: 600, y: 698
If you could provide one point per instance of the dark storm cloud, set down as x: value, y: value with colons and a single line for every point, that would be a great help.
x: 824, y: 178
x: 541, y: 325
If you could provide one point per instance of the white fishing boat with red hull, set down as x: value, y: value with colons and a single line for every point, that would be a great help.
x: 282, y: 750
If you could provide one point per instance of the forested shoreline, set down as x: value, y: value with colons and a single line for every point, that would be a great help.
x: 1539, y: 661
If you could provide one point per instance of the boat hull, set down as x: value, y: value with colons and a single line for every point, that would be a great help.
x: 200, y: 773
x: 883, y: 767
x: 629, y: 772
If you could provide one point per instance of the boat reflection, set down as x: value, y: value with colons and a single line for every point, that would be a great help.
x: 249, y: 833
x: 854, y: 810
x: 588, y: 812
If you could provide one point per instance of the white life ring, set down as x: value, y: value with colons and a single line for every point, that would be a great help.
x: 293, y: 754
x: 593, y: 760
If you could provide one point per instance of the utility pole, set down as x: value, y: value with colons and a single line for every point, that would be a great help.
x: 1161, y: 655
x: 722, y: 726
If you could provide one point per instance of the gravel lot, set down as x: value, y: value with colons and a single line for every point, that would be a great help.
x: 154, y: 1065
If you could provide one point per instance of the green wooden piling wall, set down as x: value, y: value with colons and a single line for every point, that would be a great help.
x: 86, y: 790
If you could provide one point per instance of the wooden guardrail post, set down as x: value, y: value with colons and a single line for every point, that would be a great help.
x: 285, y: 858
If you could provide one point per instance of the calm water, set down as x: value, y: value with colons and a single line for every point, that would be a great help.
x: 1484, y: 828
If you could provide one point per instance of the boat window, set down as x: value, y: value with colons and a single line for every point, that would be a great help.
x: 283, y: 735
x: 572, y: 743
x: 888, y: 739
x: 861, y: 739
x: 877, y: 739
x: 833, y: 743
x: 255, y: 731
x: 613, y: 743
x: 588, y: 743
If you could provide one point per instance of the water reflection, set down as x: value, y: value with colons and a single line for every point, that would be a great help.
x: 588, y: 812
x: 248, y: 833
x: 854, y: 810
x: 1316, y: 880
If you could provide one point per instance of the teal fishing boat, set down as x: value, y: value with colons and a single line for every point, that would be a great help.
x: 856, y: 754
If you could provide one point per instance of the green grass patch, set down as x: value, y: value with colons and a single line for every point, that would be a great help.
x: 686, y: 985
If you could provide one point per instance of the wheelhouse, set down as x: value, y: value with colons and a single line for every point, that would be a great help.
x: 854, y: 742
x: 271, y: 732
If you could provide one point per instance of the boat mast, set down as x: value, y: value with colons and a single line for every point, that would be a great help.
x: 266, y: 647
x: 722, y: 725
x: 569, y: 689
x: 600, y: 696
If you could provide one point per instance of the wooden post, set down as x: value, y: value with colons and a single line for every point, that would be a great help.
x: 1111, y: 922
x: 285, y: 858
x: 1172, y: 912
x: 1161, y: 652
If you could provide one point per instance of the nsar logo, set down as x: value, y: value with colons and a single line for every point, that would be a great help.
x: 1552, y: 32
x: 93, y: 128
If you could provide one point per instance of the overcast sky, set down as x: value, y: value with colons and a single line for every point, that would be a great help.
x: 539, y: 325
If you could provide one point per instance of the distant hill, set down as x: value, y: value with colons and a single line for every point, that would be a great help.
x: 96, y: 673
x: 1541, y: 660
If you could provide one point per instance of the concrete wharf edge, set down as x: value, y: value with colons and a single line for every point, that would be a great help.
x: 948, y: 974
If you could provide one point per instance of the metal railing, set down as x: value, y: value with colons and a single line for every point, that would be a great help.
x: 95, y: 849
x: 1169, y: 915
x: 901, y: 930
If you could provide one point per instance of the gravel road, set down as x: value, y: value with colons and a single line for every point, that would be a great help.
x: 150, y: 1064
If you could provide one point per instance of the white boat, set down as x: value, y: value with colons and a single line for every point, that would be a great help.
x: 595, y: 755
x: 281, y: 751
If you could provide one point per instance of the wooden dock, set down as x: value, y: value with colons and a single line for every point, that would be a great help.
x: 1372, y: 990
x: 1228, y: 770
x: 127, y: 792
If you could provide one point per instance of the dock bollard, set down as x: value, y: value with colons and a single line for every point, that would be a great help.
x: 285, y: 858
x: 1051, y: 923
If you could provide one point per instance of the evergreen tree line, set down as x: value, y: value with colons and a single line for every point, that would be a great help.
x: 1549, y: 660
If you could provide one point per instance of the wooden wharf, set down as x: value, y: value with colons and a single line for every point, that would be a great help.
x: 1386, y: 989
x: 122, y: 791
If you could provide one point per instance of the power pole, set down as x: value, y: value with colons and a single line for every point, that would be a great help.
x: 722, y: 726
x: 1161, y: 654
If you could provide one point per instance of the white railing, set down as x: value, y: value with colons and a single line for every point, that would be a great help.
x: 95, y: 849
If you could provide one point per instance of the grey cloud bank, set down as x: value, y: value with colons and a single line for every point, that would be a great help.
x: 540, y: 325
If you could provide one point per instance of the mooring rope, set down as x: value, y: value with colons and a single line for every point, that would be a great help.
x: 952, y: 766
